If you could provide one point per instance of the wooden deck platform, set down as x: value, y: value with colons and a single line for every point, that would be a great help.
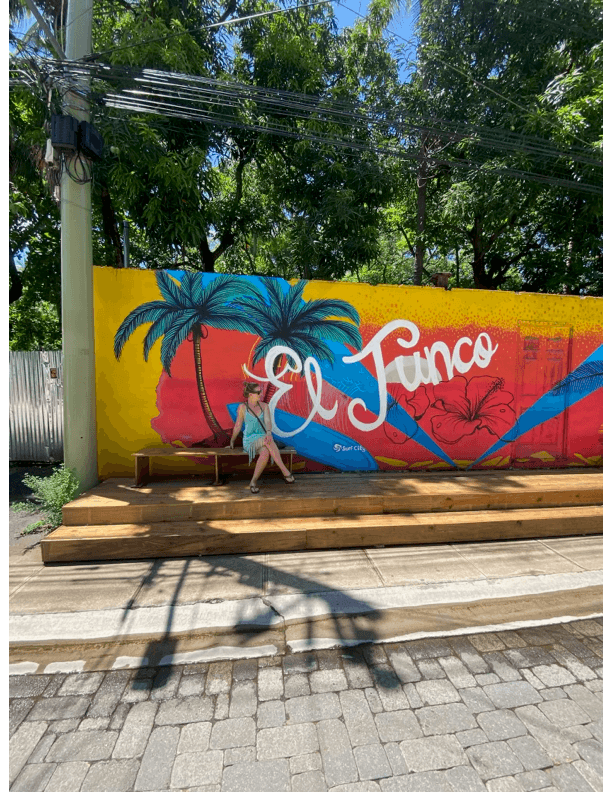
x: 212, y: 537
x: 183, y: 517
x: 115, y: 501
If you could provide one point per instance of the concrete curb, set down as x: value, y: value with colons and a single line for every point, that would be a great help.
x: 265, y: 626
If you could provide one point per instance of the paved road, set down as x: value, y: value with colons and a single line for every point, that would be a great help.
x: 497, y: 712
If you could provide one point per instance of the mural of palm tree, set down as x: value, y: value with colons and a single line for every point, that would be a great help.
x: 188, y: 309
x: 302, y: 326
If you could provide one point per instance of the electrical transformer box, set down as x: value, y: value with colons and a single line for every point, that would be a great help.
x: 91, y: 142
x: 64, y: 132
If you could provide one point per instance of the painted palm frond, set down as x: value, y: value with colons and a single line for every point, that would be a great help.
x: 228, y: 318
x: 586, y: 378
x: 335, y: 330
x: 275, y: 292
x: 192, y: 287
x: 148, y: 312
x: 319, y: 309
x: 307, y: 345
x: 160, y: 327
x: 227, y: 288
x: 176, y: 333
x: 303, y: 345
x: 304, y: 326
x: 294, y: 301
x: 170, y: 290
x: 259, y: 315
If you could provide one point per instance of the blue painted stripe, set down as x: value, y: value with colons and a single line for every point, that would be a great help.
x: 357, y: 382
x: 547, y: 406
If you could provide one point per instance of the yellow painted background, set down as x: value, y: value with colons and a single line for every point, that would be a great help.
x: 125, y: 389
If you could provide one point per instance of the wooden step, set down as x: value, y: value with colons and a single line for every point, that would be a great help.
x: 115, y: 501
x: 208, y: 537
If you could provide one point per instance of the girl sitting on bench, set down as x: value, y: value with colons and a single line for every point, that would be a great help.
x: 257, y: 438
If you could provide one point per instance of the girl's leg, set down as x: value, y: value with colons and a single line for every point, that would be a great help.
x: 262, y: 461
x: 275, y: 454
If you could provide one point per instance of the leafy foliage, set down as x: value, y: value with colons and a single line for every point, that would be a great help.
x: 512, y: 96
x: 501, y: 71
x: 53, y: 492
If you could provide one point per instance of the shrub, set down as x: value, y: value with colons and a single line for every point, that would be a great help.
x: 52, y: 492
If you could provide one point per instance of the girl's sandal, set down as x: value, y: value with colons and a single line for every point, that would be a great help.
x: 289, y: 479
x: 254, y: 489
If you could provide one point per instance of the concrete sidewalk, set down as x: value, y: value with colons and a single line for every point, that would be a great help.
x: 107, y: 615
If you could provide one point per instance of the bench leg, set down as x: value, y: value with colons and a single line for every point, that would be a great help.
x: 218, y: 471
x: 141, y: 471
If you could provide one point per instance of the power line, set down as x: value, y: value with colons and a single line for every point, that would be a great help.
x: 148, y: 106
x: 179, y: 95
x: 191, y: 88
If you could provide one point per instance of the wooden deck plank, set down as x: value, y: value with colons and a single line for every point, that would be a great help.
x: 172, y: 539
x: 115, y: 501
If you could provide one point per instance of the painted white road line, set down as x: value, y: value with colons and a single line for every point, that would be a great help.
x: 274, y: 611
x: 25, y: 667
x: 154, y: 620
x: 65, y: 667
x: 219, y: 653
x: 297, y: 607
x: 312, y: 644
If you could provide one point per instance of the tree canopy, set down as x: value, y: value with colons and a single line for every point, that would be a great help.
x: 281, y: 145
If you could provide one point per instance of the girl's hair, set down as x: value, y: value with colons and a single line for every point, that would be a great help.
x: 250, y: 387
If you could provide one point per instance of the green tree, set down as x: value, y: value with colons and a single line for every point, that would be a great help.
x: 34, y: 240
x: 506, y: 81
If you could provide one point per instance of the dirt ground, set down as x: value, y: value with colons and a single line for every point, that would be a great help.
x: 21, y: 493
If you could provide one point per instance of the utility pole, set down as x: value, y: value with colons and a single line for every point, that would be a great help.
x: 80, y: 446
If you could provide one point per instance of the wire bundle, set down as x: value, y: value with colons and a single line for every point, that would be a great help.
x: 351, y: 126
x: 359, y: 127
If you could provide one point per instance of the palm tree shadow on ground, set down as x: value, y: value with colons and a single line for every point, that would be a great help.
x: 350, y: 632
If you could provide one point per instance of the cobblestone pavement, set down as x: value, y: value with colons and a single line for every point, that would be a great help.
x: 510, y: 711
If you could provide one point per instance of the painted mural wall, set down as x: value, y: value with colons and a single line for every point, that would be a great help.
x: 357, y: 377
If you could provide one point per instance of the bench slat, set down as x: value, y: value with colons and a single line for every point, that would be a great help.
x: 142, y: 457
x: 199, y: 452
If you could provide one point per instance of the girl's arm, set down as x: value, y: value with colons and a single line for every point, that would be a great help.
x: 267, y: 419
x: 237, y: 425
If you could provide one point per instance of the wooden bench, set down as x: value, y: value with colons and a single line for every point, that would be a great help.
x: 142, y: 464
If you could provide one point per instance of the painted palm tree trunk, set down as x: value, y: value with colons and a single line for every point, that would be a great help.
x: 215, y: 426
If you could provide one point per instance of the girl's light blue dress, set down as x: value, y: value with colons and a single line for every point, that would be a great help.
x: 252, y: 434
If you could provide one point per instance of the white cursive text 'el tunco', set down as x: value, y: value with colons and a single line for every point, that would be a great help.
x: 422, y: 370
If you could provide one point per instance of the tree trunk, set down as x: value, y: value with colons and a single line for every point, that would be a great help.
x: 109, y: 225
x: 208, y: 260
x: 419, y: 258
x: 481, y: 279
x: 215, y: 426
x: 228, y: 236
x: 16, y: 286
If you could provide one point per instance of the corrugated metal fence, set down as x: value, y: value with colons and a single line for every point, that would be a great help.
x: 36, y: 425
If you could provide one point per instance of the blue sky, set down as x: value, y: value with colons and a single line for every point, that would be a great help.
x: 401, y: 26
